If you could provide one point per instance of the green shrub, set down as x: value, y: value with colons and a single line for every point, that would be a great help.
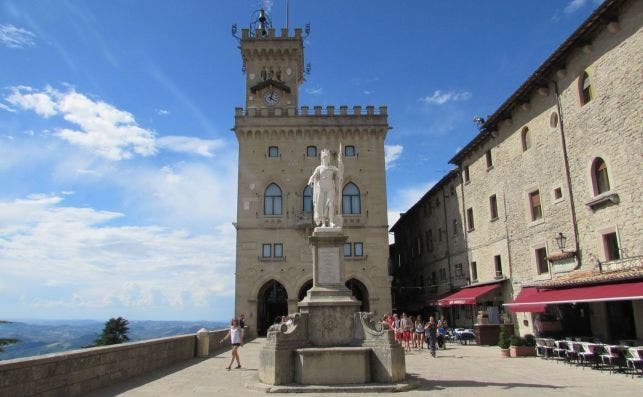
x: 516, y: 341
x: 503, y: 338
x: 530, y: 340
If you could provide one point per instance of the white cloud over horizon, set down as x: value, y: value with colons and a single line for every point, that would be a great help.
x: 440, y: 97
x: 95, y: 264
x: 15, y: 37
x: 102, y: 128
x: 574, y: 5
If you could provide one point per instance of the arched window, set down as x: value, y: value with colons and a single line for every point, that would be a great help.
x: 600, y: 179
x: 308, y: 200
x: 585, y: 88
x: 525, y: 137
x: 272, y: 200
x: 350, y: 199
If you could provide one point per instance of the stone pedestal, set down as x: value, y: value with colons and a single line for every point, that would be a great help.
x: 329, y: 304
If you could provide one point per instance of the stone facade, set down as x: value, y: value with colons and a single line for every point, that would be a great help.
x: 429, y: 257
x: 531, y: 173
x: 280, y: 144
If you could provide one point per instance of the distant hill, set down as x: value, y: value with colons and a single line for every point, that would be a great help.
x: 51, y: 336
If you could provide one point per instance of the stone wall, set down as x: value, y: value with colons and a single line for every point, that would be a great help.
x: 78, y: 372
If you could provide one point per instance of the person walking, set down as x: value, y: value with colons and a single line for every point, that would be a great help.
x: 430, y: 329
x: 236, y: 340
x: 406, y: 326
x: 419, y: 331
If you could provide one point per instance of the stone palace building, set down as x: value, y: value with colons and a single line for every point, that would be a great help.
x: 279, y: 147
x: 542, y: 216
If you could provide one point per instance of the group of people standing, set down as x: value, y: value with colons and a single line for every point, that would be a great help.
x: 412, y: 332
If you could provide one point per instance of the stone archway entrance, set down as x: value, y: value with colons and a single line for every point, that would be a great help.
x: 304, y: 289
x: 359, y: 292
x: 272, y: 302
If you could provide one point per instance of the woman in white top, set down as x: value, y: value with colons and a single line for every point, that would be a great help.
x: 236, y: 339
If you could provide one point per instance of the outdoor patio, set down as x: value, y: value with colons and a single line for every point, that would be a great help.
x: 460, y: 370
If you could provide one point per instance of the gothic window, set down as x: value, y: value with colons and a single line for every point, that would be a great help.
x: 266, y: 251
x: 351, y: 199
x: 585, y: 89
x: 347, y: 249
x: 600, y: 179
x: 358, y: 249
x: 308, y: 199
x: 272, y: 200
x: 311, y: 151
x: 278, y: 250
x: 525, y: 137
x: 349, y: 151
x: 273, y: 151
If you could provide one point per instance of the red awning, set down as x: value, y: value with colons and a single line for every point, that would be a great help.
x: 467, y: 296
x: 532, y: 299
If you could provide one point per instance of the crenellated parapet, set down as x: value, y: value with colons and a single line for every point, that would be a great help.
x: 307, y: 123
x: 306, y: 111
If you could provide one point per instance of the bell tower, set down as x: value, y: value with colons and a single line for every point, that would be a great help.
x: 274, y: 65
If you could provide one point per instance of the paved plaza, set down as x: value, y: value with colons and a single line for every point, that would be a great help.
x: 457, y: 371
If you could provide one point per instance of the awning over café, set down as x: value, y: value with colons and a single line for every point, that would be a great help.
x: 533, y: 299
x: 467, y: 296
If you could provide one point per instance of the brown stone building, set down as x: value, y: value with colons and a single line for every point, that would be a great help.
x: 560, y: 162
x: 279, y: 147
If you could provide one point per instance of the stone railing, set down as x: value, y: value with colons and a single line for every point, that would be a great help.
x: 78, y: 372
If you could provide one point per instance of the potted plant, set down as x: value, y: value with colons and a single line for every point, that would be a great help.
x: 523, y: 347
x: 503, y: 342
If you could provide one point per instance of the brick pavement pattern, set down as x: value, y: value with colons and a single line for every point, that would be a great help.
x: 457, y: 371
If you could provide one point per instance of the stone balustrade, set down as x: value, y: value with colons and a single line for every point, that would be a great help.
x: 77, y: 372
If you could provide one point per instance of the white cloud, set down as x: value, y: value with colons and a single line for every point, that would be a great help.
x: 102, y: 128
x: 317, y: 90
x: 40, y: 102
x: 186, y: 144
x: 367, y: 92
x: 392, y: 153
x: 440, y: 98
x: 162, y: 112
x: 14, y: 37
x: 574, y: 6
x: 404, y: 199
x: 99, y: 265
x: 7, y: 108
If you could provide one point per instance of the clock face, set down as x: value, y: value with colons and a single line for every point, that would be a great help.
x: 271, y: 98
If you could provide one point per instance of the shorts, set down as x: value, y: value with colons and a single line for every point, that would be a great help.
x: 406, y: 336
x: 236, y: 344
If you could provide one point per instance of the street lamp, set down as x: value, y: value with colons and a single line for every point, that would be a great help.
x: 561, y: 240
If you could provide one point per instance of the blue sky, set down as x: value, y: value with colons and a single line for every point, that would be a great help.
x: 117, y: 163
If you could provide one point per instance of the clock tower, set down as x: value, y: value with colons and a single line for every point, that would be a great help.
x: 273, y: 65
x: 280, y: 142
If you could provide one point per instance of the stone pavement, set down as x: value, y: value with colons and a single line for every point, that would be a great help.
x: 457, y: 371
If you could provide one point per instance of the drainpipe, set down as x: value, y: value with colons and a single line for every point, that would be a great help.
x: 568, y: 175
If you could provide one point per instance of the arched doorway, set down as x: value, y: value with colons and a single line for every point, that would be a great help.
x: 359, y: 292
x: 272, y: 301
x: 304, y: 289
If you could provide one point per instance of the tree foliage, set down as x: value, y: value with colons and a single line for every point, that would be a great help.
x: 115, y: 332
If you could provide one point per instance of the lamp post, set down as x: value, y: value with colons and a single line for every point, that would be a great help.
x: 560, y: 241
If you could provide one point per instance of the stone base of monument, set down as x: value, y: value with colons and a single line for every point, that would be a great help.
x: 329, y: 343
